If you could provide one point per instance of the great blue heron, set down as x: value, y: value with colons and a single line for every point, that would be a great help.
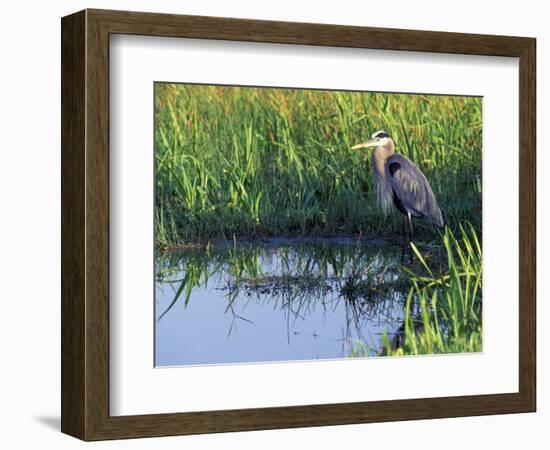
x: 401, y: 183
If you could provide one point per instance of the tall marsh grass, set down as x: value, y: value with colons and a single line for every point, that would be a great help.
x: 443, y: 313
x: 236, y: 161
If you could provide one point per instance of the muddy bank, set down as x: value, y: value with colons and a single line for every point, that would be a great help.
x: 277, y: 241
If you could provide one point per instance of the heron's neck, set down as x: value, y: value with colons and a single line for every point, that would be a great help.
x: 383, y: 188
x: 379, y: 156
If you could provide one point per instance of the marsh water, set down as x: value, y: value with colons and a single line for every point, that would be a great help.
x: 276, y: 300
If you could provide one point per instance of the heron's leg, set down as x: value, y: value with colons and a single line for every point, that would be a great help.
x: 410, y: 236
x: 405, y: 238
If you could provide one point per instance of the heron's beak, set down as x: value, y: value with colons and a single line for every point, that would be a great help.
x: 369, y: 143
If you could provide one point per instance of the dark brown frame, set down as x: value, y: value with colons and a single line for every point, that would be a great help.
x: 85, y: 224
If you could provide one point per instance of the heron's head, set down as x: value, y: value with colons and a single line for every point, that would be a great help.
x: 378, y: 139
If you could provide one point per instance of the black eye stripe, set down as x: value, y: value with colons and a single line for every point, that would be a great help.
x: 381, y: 134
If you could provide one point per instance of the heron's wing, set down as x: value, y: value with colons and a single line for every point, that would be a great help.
x: 412, y: 189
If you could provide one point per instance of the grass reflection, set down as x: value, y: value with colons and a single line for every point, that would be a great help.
x: 433, y: 306
x: 296, y: 278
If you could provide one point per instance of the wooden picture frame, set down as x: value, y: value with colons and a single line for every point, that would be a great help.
x: 85, y: 224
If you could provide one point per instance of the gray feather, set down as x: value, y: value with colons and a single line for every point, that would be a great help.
x: 412, y: 188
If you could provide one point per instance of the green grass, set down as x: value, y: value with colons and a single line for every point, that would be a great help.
x: 250, y: 162
x: 443, y: 313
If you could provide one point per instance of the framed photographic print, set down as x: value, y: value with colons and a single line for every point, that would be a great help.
x: 271, y: 224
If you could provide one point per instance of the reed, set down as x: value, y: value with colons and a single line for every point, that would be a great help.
x: 249, y: 162
x: 443, y: 312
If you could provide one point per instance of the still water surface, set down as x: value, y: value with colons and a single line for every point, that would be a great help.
x: 278, y: 301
